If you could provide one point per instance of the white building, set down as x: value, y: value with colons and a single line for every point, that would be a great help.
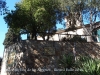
x: 84, y: 32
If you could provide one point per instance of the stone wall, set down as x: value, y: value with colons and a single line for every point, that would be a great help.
x: 28, y: 56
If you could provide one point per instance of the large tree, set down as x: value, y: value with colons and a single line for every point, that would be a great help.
x: 81, y: 10
x: 35, y: 16
x: 93, y: 10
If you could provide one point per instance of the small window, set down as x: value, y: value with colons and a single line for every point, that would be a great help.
x: 24, y: 36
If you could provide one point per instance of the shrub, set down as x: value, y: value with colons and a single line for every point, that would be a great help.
x: 75, y: 39
x: 86, y: 65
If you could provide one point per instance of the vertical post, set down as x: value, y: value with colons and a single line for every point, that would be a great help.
x: 58, y: 36
x: 74, y: 52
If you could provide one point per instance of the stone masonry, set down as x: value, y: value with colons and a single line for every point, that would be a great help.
x: 30, y: 57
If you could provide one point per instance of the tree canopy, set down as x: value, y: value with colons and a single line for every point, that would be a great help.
x: 34, y: 16
x: 37, y: 17
x: 3, y: 7
x: 81, y: 10
x: 11, y: 37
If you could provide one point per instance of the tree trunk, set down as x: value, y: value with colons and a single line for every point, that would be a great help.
x: 91, y: 23
x: 28, y: 36
x: 35, y: 36
x: 91, y: 17
x: 31, y: 36
x: 43, y: 36
x: 48, y: 37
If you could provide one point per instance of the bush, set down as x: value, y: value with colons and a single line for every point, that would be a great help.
x: 75, y: 39
x: 68, y: 63
x: 90, y: 66
x: 86, y: 65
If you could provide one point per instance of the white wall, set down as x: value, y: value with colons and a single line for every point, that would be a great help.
x: 58, y: 37
x: 4, y: 61
x: 81, y: 31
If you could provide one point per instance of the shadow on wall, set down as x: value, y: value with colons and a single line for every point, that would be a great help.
x: 29, y: 56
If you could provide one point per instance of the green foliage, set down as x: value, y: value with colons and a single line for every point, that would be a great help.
x: 67, y: 62
x: 72, y: 11
x: 90, y: 66
x: 72, y: 6
x: 81, y: 10
x: 86, y: 65
x: 34, y: 16
x: 76, y: 38
x: 3, y: 7
x: 11, y: 37
x: 79, y: 5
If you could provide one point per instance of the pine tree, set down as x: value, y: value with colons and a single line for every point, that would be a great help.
x: 11, y: 37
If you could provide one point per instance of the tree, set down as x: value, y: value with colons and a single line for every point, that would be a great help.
x: 11, y: 37
x: 78, y: 10
x: 3, y: 7
x: 92, y: 11
x: 72, y: 11
x: 93, y: 8
x: 34, y: 16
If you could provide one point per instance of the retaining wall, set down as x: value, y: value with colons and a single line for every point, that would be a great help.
x: 28, y: 56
